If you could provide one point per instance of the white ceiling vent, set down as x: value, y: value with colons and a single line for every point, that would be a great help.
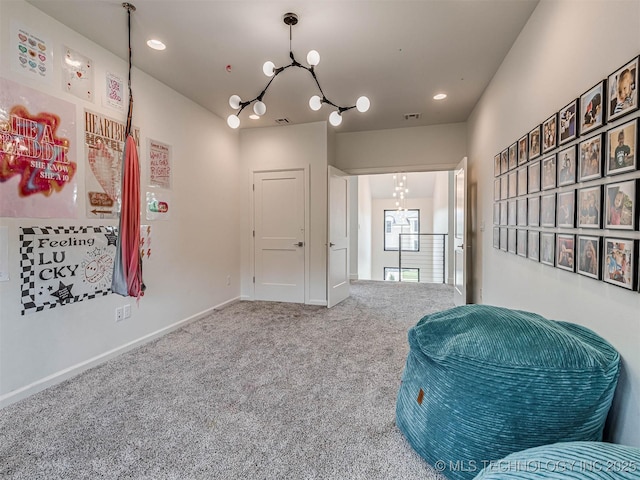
x: 283, y: 121
x: 412, y: 116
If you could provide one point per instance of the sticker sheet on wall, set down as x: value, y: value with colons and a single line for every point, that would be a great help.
x: 77, y: 74
x: 159, y: 164
x: 158, y: 203
x: 104, y: 144
x: 37, y: 171
x: 145, y: 241
x: 64, y: 265
x: 114, y: 91
x: 30, y: 52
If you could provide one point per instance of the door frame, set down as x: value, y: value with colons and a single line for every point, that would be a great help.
x: 252, y: 225
x: 335, y: 172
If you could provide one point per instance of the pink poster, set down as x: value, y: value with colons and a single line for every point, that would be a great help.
x: 37, y: 153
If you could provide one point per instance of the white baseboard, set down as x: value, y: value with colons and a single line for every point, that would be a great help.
x: 321, y: 303
x: 62, y: 375
x: 353, y: 276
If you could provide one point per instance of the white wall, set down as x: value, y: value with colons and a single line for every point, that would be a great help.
x: 364, y: 228
x: 431, y: 148
x: 442, y: 215
x: 564, y: 49
x: 353, y: 228
x: 287, y: 148
x: 193, y: 253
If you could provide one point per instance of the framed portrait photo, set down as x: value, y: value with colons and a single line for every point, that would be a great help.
x: 618, y: 262
x: 503, y: 214
x: 496, y: 213
x: 589, y: 207
x: 548, y: 210
x: 503, y: 239
x: 548, y: 248
x: 523, y: 150
x: 512, y: 213
x: 496, y: 166
x: 522, y: 181
x: 592, y: 108
x: 565, y: 251
x: 521, y: 216
x: 511, y: 240
x: 534, y: 177
x: 568, y: 122
x: 513, y: 184
x: 622, y: 155
x: 521, y: 242
x: 565, y: 215
x: 567, y: 166
x: 533, y: 211
x: 533, y: 245
x: 548, y: 167
x: 620, y: 205
x: 534, y: 143
x: 496, y: 238
x: 550, y: 133
x: 622, y: 86
x: 504, y: 187
x: 496, y: 189
x: 588, y: 254
x: 504, y: 161
x: 590, y: 159
x: 513, y: 156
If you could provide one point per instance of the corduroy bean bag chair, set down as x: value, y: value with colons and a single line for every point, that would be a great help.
x: 482, y: 382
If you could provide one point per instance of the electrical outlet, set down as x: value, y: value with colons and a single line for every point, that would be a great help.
x: 119, y: 314
x: 126, y: 311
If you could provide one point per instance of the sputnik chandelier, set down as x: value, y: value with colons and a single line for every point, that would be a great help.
x: 400, y: 190
x: 316, y: 101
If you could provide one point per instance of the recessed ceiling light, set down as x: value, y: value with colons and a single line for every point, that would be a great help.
x: 156, y: 44
x: 253, y: 116
x: 440, y: 96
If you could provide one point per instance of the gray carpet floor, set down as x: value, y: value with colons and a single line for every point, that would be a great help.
x: 256, y: 390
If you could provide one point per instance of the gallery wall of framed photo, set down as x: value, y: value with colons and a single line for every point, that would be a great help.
x: 566, y: 192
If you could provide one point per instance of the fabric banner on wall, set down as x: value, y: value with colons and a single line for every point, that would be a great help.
x: 104, y: 143
x: 159, y: 164
x: 37, y: 170
x: 65, y: 265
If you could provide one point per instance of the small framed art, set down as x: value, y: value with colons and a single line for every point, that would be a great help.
x: 496, y: 189
x: 504, y: 161
x: 548, y: 167
x: 496, y: 237
x: 534, y: 177
x: 565, y: 216
x: 512, y: 214
x: 620, y: 205
x: 521, y: 212
x: 565, y: 251
x: 533, y: 211
x: 590, y: 159
x: 504, y: 187
x: 513, y: 184
x: 523, y: 150
x: 550, y: 133
x: 548, y: 248
x: 522, y: 181
x: 496, y: 213
x: 622, y: 86
x: 513, y: 156
x: 589, y: 207
x: 521, y: 242
x: 503, y: 214
x: 592, y: 108
x: 534, y: 143
x: 568, y: 121
x: 588, y: 256
x: 503, y: 239
x: 567, y: 166
x: 548, y: 210
x: 533, y: 245
x: 622, y: 153
x: 496, y: 166
x: 511, y: 240
x: 618, y: 266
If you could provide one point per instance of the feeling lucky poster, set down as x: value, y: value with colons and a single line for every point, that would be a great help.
x: 37, y: 150
x: 104, y: 146
x: 63, y: 265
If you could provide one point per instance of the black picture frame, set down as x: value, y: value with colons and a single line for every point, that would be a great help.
x: 624, y: 79
x: 503, y: 239
x: 513, y: 156
x: 548, y: 172
x: 513, y: 184
x: 588, y: 250
x: 620, y: 205
x: 567, y: 163
x: 496, y: 166
x: 548, y: 210
x: 593, y: 107
x: 568, y: 122
x: 521, y: 242
x: 503, y: 214
x: 496, y: 213
x: 533, y: 245
x: 535, y: 143
x: 619, y: 262
x: 496, y: 238
x: 533, y: 211
x: 550, y: 133
x: 548, y: 248
x: 566, y: 209
x: 622, y: 148
x: 522, y: 181
x: 511, y: 240
x: 496, y: 190
x: 512, y: 213
x: 504, y: 161
x: 533, y: 183
x: 589, y: 207
x: 504, y: 187
x: 523, y: 150
x: 590, y: 158
x: 565, y: 251
x: 521, y: 215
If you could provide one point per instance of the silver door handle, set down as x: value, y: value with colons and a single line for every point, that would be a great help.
x: 332, y: 244
x: 299, y: 244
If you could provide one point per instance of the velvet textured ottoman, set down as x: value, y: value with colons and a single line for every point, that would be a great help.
x: 483, y: 382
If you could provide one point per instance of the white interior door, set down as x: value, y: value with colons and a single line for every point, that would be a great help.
x: 279, y: 255
x: 460, y: 246
x: 338, y: 237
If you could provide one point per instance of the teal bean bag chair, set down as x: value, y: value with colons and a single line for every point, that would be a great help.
x: 481, y: 382
x: 571, y: 460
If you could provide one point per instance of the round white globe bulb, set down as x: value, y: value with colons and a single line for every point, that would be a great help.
x: 233, y: 121
x: 315, y: 103
x: 234, y: 101
x: 268, y: 68
x: 363, y: 104
x: 335, y: 118
x: 259, y: 108
x: 313, y: 58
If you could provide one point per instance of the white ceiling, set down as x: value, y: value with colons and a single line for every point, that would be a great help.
x: 399, y: 53
x: 420, y: 184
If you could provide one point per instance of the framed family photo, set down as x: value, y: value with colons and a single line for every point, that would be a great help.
x: 503, y: 214
x: 523, y: 150
x: 565, y: 251
x: 496, y: 166
x: 588, y: 256
x: 513, y: 184
x: 618, y: 267
x: 568, y: 121
x: 504, y: 161
x: 521, y: 216
x: 550, y: 133
x: 590, y: 159
x: 522, y: 181
x: 565, y: 216
x: 589, y: 205
x: 548, y: 210
x: 513, y: 156
x: 533, y: 212
x: 521, y: 242
x: 622, y: 148
x: 567, y: 166
x: 548, y: 248
x: 534, y: 143
x: 592, y: 108
x: 534, y: 177
x: 504, y: 187
x: 620, y: 205
x: 533, y: 245
x: 548, y: 167
x: 622, y: 86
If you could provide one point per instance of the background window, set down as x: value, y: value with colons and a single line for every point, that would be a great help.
x: 395, y: 223
x: 408, y: 274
